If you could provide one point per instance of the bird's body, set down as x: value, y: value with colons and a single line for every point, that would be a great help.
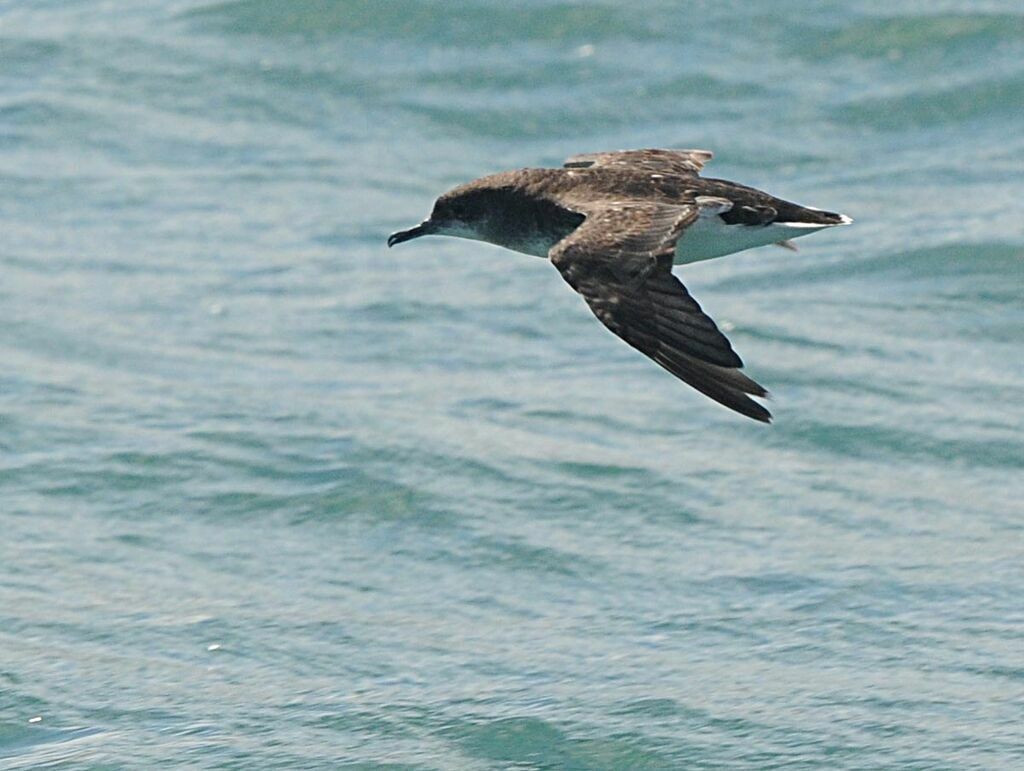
x: 614, y: 224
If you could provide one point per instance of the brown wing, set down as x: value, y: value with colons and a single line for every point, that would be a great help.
x: 674, y: 162
x: 620, y: 260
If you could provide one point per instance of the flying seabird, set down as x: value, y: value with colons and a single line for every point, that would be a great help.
x: 614, y: 224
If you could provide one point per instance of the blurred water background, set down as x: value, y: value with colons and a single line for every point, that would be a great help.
x: 273, y: 496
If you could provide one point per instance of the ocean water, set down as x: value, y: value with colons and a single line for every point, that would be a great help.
x: 274, y: 496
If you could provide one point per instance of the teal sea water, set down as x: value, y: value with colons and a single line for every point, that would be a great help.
x: 273, y: 496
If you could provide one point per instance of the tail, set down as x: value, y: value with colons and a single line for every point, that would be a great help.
x: 795, y: 215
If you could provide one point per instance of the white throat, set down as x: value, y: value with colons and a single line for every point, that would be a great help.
x: 535, y: 245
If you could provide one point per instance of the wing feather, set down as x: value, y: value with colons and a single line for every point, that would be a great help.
x: 620, y: 261
x: 674, y: 162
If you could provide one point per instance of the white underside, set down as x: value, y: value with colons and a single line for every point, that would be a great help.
x: 705, y: 239
x: 711, y: 237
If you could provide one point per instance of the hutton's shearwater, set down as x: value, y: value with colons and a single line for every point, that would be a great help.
x: 614, y: 224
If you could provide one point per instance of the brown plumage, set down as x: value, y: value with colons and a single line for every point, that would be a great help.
x: 613, y: 224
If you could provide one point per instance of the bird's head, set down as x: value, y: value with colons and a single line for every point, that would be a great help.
x: 466, y: 211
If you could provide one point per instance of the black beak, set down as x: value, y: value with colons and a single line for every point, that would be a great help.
x: 423, y: 229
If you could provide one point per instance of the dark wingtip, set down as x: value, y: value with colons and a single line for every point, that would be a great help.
x: 756, y: 410
x: 747, y: 407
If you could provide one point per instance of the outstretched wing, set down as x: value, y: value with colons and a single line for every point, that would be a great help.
x: 674, y: 162
x: 620, y: 260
